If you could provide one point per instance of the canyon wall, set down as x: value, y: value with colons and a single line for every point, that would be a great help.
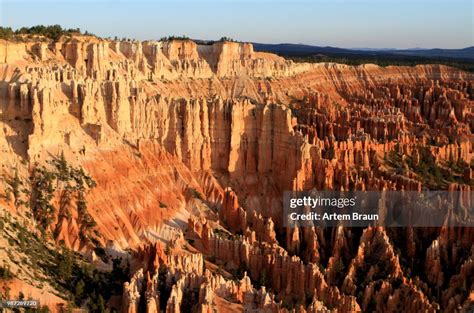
x: 193, y: 145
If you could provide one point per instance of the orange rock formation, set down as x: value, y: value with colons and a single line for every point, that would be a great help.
x: 192, y: 146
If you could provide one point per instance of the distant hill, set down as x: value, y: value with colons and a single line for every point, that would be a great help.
x: 300, y: 49
x: 305, y: 50
x: 466, y: 53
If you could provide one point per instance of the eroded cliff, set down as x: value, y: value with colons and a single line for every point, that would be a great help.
x: 192, y: 146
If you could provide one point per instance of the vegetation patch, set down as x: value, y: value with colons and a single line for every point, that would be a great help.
x: 433, y: 175
x: 174, y: 37
x: 54, y: 32
x: 382, y: 60
x: 5, y: 272
x: 75, y: 279
x: 70, y: 185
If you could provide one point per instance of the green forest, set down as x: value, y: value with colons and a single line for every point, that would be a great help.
x: 382, y: 60
x: 53, y: 32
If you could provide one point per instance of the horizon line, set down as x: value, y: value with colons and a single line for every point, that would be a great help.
x: 122, y: 38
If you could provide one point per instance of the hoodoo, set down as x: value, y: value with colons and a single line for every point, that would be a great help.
x: 156, y: 170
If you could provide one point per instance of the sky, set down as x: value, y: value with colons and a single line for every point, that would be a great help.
x: 346, y: 24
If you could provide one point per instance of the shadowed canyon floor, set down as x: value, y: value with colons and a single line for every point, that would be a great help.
x: 148, y: 176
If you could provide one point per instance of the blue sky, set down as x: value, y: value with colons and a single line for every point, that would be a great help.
x: 349, y: 24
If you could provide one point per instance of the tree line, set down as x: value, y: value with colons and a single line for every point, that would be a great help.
x: 381, y: 60
x: 53, y: 32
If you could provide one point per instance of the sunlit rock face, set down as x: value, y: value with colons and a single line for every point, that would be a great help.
x: 192, y: 147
